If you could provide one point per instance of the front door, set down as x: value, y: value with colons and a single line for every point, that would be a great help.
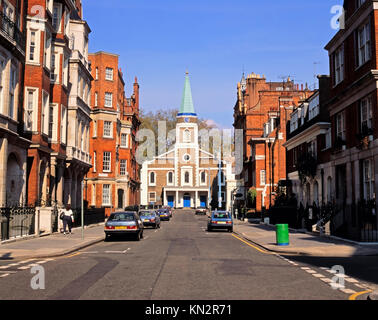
x: 187, y: 202
x: 171, y: 201
x: 203, y: 200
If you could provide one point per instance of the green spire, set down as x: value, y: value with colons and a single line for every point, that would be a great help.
x: 187, y: 107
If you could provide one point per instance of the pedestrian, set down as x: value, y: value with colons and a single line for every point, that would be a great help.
x: 68, y: 219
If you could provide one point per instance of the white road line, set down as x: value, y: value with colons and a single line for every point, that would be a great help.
x: 41, y: 262
x: 90, y: 252
x: 305, y: 268
x: 24, y: 268
x: 4, y: 267
x: 311, y: 271
x: 26, y: 261
x: 4, y: 275
x: 348, y: 291
x: 337, y: 285
x: 351, y: 280
x: 13, y: 264
x: 324, y: 268
x: 318, y: 275
x: 326, y: 280
x: 360, y: 286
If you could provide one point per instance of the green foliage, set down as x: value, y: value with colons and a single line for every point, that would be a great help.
x: 307, y: 166
x: 252, y: 195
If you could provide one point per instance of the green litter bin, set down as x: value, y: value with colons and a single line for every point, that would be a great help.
x: 282, y: 233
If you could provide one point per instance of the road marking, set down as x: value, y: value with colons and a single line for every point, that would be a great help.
x: 41, y: 262
x: 352, y: 280
x: 318, y: 275
x: 252, y: 246
x: 73, y: 255
x: 24, y: 268
x: 26, y: 261
x: 348, y: 291
x: 326, y: 280
x: 4, y: 275
x: 118, y: 252
x: 305, y: 268
x: 356, y: 295
x: 311, y: 271
x: 4, y: 267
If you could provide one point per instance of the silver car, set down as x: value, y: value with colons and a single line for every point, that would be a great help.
x: 122, y: 223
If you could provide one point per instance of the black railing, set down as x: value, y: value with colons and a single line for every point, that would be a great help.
x: 91, y: 216
x: 12, y: 31
x: 16, y: 222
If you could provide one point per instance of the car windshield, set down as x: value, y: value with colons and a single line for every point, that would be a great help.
x: 146, y: 213
x: 162, y: 211
x: 221, y: 215
x: 127, y: 216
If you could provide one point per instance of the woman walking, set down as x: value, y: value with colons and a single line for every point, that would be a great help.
x: 68, y: 219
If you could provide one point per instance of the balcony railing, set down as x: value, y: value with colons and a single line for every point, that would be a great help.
x: 79, y: 155
x: 11, y: 30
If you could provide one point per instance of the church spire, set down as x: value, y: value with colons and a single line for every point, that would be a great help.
x: 187, y: 107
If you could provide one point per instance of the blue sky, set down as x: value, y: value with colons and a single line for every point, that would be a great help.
x: 157, y: 40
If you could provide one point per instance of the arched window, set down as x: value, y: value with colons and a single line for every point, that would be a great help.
x: 187, y: 136
x: 203, y: 177
x: 187, y: 177
x: 170, y: 177
x: 152, y: 178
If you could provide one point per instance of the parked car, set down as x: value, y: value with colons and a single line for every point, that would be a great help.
x: 122, y: 223
x: 132, y: 209
x: 201, y: 211
x: 169, y: 210
x: 164, y: 214
x: 150, y: 218
x: 220, y: 220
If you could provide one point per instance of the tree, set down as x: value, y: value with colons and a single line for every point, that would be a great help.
x: 150, y: 120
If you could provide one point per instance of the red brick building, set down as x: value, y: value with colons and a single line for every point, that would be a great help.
x: 113, y: 181
x: 261, y: 112
x: 13, y: 145
x: 47, y: 85
x: 354, y: 118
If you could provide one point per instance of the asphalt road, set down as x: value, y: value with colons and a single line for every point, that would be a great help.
x: 180, y: 261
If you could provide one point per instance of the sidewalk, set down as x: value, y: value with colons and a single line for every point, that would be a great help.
x: 53, y: 245
x: 301, y: 243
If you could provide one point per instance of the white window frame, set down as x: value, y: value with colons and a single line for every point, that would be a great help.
x: 364, y: 44
x: 262, y: 177
x: 45, y: 113
x: 48, y: 49
x: 108, y: 129
x: 123, y: 167
x: 36, y: 47
x: 150, y: 198
x: 106, y: 195
x: 65, y: 70
x: 340, y: 125
x: 368, y: 179
x: 339, y: 65
x: 109, y: 74
x: 108, y: 100
x: 173, y: 178
x: 124, y: 140
x: 96, y: 99
x: 2, y: 73
x: 366, y: 113
x: 31, y: 109
x: 107, y: 162
x: 94, y: 161
x: 63, y: 133
x: 66, y: 21
x: 13, y: 78
x: 152, y: 184
x: 97, y: 74
x: 58, y: 19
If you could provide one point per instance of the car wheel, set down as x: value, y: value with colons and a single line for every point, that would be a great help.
x: 107, y: 238
x: 209, y: 229
x: 231, y: 230
x: 138, y: 237
x: 142, y: 235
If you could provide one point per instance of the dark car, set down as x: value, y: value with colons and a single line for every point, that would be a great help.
x: 164, y: 214
x: 220, y: 220
x: 150, y: 218
x: 201, y: 211
x: 123, y: 223
x: 169, y: 210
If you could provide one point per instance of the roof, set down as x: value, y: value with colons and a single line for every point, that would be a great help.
x: 187, y: 107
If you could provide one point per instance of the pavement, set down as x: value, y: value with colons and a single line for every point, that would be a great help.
x: 302, y: 243
x: 54, y: 245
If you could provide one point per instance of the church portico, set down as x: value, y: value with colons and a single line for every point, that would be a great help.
x: 186, y: 197
x: 191, y: 179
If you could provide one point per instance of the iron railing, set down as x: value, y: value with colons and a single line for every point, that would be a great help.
x: 16, y: 222
x: 91, y: 216
x: 11, y: 29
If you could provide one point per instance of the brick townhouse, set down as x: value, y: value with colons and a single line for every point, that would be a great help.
x: 354, y: 119
x: 13, y: 145
x: 309, y: 148
x: 261, y: 112
x: 50, y: 92
x: 113, y: 181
